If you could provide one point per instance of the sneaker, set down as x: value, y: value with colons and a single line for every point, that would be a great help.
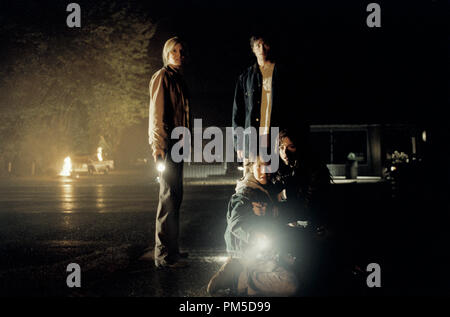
x: 226, y: 277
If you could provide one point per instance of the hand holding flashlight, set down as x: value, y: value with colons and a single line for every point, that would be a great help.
x: 262, y: 242
x: 158, y: 156
x: 160, y: 165
x: 260, y: 246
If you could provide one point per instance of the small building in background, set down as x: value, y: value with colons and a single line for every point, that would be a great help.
x: 373, y: 144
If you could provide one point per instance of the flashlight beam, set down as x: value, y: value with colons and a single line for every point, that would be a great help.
x: 160, y: 167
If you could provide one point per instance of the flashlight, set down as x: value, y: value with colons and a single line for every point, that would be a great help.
x: 262, y: 243
x: 160, y: 166
x: 261, y: 247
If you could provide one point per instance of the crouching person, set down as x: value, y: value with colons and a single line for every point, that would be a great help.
x: 255, y: 266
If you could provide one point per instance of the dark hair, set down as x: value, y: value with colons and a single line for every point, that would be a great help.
x: 295, y: 137
x: 270, y: 39
x: 307, y: 154
x: 260, y: 36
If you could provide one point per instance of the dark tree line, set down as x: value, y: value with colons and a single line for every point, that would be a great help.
x: 63, y: 90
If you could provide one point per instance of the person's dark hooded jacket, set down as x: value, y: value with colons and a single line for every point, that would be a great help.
x: 307, y: 183
x: 242, y: 222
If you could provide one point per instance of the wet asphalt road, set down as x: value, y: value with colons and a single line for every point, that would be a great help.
x: 105, y: 222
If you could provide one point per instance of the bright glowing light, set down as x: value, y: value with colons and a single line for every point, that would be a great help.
x: 67, y: 167
x: 393, y: 168
x: 99, y: 154
x: 262, y: 243
x: 160, y: 167
x: 424, y: 136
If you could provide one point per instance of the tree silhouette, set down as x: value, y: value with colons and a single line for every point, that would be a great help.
x: 62, y: 89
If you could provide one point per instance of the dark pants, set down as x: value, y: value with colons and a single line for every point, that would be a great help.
x: 167, y: 216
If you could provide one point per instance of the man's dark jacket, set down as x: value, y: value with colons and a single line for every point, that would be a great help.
x: 247, y: 99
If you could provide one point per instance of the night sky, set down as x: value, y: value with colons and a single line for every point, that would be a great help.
x: 350, y: 73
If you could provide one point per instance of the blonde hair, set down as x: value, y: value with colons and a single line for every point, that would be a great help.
x: 168, y: 46
x: 257, y: 161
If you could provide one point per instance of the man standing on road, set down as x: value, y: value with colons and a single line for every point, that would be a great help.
x: 258, y: 97
x: 169, y: 108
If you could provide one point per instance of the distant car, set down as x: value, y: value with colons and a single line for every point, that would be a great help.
x: 80, y: 166
x: 100, y: 166
x: 85, y: 165
x: 140, y: 162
